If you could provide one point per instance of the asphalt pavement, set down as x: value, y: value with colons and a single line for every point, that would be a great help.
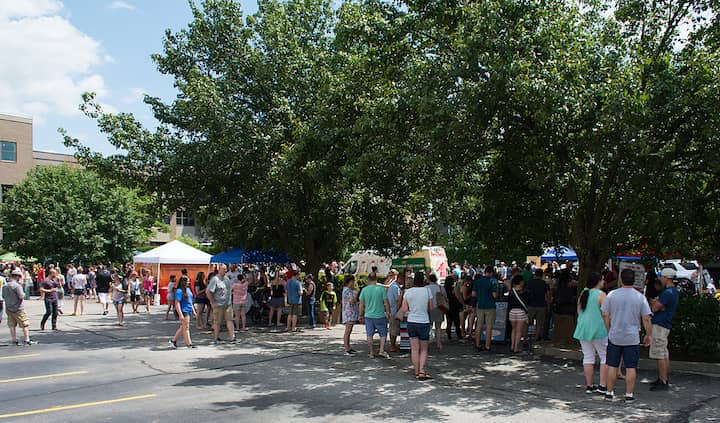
x: 94, y: 370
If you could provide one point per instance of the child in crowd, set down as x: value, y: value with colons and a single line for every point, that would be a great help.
x: 327, y: 303
x: 239, y: 298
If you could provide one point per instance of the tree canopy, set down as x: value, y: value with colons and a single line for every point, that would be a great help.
x: 67, y: 214
x: 312, y: 129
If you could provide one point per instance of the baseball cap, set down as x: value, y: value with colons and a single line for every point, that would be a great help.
x: 668, y: 273
x: 16, y: 272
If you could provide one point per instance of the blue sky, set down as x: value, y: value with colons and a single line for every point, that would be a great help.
x: 64, y: 47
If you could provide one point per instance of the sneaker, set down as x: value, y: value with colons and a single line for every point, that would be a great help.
x: 371, y: 355
x: 17, y: 343
x: 383, y: 354
x: 348, y: 352
x: 660, y: 387
x: 656, y: 382
x: 609, y: 396
x: 30, y: 342
x: 104, y: 313
x: 590, y: 389
x: 191, y: 346
x: 599, y: 389
x: 352, y: 351
x: 629, y: 397
x: 217, y: 341
x: 173, y: 344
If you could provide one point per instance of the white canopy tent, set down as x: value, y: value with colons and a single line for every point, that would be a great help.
x: 174, y: 252
x: 168, y: 259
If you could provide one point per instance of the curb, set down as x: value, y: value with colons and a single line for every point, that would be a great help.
x: 706, y: 369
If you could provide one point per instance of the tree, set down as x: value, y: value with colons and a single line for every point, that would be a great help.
x: 590, y: 127
x: 68, y: 214
x: 267, y: 141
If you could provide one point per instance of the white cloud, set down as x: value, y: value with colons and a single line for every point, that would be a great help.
x: 48, y: 62
x: 118, y: 4
x: 135, y: 95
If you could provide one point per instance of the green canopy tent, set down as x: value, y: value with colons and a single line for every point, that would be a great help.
x: 12, y: 257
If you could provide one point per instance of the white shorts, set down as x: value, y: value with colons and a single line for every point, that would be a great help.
x: 589, y: 348
x: 104, y: 297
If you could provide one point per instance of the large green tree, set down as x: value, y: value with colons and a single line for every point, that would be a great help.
x: 574, y: 124
x: 69, y: 214
x: 270, y: 139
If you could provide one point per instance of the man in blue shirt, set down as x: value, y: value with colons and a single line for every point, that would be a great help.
x: 485, y: 290
x: 294, y: 290
x: 663, y: 308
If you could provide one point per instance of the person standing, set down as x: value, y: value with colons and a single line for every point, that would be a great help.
x: 663, y: 308
x: 485, y: 291
x: 538, y: 295
x: 135, y: 288
x: 294, y: 290
x: 102, y: 280
x: 416, y: 303
x: 184, y: 305
x: 454, y: 309
x: 49, y: 288
x: 393, y: 294
x: 437, y: 316
x: 14, y: 299
x: 375, y: 313
x: 310, y: 294
x: 79, y: 285
x: 201, y: 301
x: 517, y: 300
x: 623, y: 310
x: 592, y: 333
x: 350, y: 312
x: 328, y: 298
x: 219, y: 295
x: 277, y: 298
x: 148, y: 288
x: 239, y: 300
x: 118, y: 298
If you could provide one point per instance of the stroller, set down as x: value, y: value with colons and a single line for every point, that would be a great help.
x: 260, y: 310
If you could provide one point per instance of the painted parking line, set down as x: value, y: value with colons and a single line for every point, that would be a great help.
x: 20, y: 379
x: 10, y: 357
x: 74, y: 406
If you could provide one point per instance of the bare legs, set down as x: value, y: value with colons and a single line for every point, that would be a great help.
x: 79, y: 299
x: 274, y: 310
x: 518, y: 329
x: 183, y: 330
x: 346, y: 336
x: 418, y: 354
x: 120, y: 313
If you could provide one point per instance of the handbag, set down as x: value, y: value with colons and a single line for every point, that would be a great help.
x: 442, y: 301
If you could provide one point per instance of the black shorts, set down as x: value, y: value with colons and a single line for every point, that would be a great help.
x: 79, y: 291
x: 135, y: 297
x: 202, y: 301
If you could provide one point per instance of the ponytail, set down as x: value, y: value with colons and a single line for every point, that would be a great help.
x: 584, y: 299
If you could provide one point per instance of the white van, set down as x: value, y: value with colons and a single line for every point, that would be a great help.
x: 362, y: 262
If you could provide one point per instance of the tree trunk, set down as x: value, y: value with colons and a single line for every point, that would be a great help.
x: 591, y: 260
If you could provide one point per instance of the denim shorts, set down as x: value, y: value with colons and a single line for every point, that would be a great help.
x: 380, y: 324
x: 419, y: 330
x: 629, y: 353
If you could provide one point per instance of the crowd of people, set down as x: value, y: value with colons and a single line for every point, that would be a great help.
x: 407, y: 310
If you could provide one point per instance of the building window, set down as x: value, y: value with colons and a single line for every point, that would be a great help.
x: 8, y: 151
x: 184, y: 218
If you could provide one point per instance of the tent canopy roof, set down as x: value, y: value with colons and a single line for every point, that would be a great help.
x: 567, y: 254
x: 174, y: 252
x: 240, y: 255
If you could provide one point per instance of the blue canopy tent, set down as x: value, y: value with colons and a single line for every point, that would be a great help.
x: 235, y: 255
x: 240, y: 255
x: 565, y: 253
x: 628, y: 258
